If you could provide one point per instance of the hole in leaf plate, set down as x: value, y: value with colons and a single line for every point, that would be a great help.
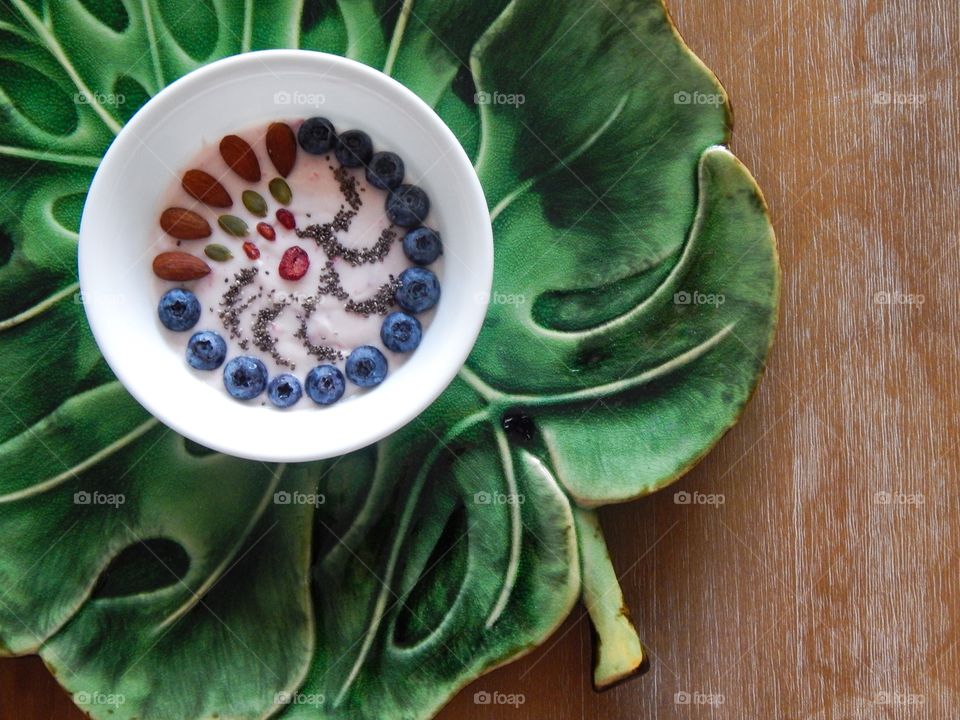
x: 111, y: 13
x: 518, y: 426
x: 38, y: 98
x: 143, y: 567
x: 438, y: 586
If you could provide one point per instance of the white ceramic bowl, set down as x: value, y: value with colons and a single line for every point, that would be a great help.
x: 116, y: 248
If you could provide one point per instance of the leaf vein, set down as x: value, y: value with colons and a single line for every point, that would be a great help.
x: 46, y: 36
x: 86, y: 464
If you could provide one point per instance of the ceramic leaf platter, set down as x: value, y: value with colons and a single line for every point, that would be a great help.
x: 635, y: 297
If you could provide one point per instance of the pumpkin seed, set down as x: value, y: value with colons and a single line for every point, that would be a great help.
x: 217, y: 252
x: 281, y: 191
x: 255, y: 203
x: 234, y: 225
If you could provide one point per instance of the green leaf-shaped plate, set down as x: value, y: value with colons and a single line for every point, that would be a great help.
x: 635, y: 299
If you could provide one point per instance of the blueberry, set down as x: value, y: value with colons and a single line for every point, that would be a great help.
x: 401, y: 332
x: 179, y: 309
x: 354, y: 148
x: 422, y: 245
x: 245, y: 377
x: 385, y: 170
x: 317, y: 135
x: 284, y: 390
x: 366, y: 366
x: 408, y: 206
x: 325, y: 384
x: 419, y: 290
x: 206, y: 350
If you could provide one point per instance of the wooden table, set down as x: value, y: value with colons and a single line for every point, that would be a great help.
x: 826, y: 585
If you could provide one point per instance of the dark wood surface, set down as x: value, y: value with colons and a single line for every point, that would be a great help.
x: 825, y: 587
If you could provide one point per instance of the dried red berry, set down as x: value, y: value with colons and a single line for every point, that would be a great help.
x: 252, y: 251
x: 285, y: 218
x: 266, y: 230
x: 294, y: 263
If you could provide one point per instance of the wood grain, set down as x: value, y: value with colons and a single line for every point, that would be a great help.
x: 825, y: 587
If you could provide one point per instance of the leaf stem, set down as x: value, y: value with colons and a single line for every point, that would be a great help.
x: 619, y: 652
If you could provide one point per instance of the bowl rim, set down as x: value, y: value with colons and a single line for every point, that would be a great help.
x: 227, y: 69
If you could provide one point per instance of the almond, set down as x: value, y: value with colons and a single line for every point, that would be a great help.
x: 184, y: 224
x: 205, y: 188
x: 241, y: 158
x: 179, y: 266
x: 281, y: 147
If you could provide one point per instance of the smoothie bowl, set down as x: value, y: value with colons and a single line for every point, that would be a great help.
x: 285, y: 256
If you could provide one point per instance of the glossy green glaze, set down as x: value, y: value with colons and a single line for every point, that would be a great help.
x: 635, y: 299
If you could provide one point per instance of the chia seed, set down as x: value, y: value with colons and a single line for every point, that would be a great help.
x: 321, y: 352
x: 233, y: 304
x: 236, y: 300
x: 330, y: 283
x: 262, y: 338
x: 381, y: 302
x: 327, y: 241
x: 348, y: 187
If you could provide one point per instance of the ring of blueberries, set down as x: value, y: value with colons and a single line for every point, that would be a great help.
x: 407, y: 206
